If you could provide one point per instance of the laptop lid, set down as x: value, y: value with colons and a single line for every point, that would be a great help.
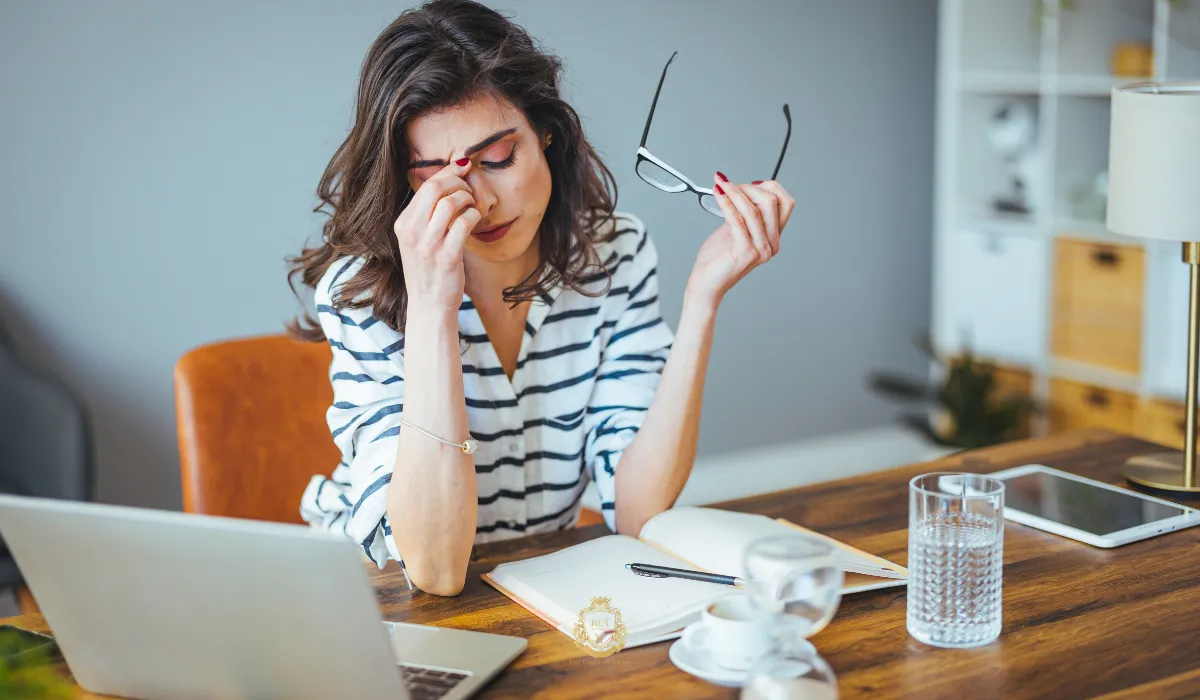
x: 164, y: 605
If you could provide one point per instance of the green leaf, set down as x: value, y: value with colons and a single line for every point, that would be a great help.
x: 968, y: 394
x: 921, y: 424
x: 899, y: 387
x: 29, y: 675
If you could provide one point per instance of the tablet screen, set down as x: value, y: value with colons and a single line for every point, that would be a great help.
x: 1080, y: 505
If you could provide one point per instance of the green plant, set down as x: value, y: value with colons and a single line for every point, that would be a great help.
x: 964, y: 410
x: 29, y: 674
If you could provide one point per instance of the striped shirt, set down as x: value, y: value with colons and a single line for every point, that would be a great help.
x: 587, y: 371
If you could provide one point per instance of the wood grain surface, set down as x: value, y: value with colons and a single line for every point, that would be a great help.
x: 1078, y: 621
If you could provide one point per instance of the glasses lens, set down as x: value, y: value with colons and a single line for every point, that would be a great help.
x: 710, y: 204
x: 660, y: 178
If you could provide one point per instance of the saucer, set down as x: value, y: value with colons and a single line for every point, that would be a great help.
x: 699, y: 663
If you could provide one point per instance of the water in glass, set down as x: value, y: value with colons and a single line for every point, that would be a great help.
x: 955, y: 559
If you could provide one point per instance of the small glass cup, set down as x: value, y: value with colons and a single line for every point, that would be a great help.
x: 795, y: 576
x: 955, y: 559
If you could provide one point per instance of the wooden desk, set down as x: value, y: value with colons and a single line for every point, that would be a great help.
x: 1078, y: 621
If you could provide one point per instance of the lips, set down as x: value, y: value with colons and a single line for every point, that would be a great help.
x: 492, y: 235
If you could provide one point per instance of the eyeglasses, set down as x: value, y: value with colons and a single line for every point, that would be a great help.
x: 662, y: 176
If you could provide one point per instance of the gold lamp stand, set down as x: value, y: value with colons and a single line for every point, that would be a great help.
x: 1175, y: 471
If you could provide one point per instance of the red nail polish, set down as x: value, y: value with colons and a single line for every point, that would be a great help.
x: 721, y: 176
x: 757, y: 182
x: 462, y: 162
x: 718, y: 189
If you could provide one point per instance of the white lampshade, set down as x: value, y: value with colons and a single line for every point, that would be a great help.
x: 1154, y: 161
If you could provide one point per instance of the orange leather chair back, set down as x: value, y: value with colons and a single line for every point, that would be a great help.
x: 587, y: 516
x: 252, y: 431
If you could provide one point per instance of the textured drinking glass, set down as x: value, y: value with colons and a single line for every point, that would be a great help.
x: 955, y: 559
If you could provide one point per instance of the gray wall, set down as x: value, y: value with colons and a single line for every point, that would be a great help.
x: 158, y: 160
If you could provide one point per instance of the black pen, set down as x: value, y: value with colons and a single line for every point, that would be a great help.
x: 667, y: 572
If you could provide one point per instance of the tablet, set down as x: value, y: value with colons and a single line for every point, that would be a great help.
x: 1085, y: 509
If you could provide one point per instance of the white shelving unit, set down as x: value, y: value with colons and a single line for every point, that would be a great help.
x: 992, y: 272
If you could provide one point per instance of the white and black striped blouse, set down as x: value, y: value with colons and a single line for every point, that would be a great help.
x: 587, y: 370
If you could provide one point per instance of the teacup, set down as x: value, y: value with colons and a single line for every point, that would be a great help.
x: 732, y: 630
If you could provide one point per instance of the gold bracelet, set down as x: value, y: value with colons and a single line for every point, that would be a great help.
x: 467, y: 447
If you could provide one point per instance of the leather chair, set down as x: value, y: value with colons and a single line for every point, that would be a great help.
x: 251, y: 421
x: 252, y: 431
x: 587, y: 516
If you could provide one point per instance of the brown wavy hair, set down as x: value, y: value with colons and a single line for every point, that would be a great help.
x: 439, y: 55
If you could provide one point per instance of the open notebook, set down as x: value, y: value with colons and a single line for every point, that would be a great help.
x: 556, y: 586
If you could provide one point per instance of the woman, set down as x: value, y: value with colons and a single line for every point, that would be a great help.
x: 475, y: 283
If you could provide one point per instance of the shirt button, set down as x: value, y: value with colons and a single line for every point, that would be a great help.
x: 513, y: 448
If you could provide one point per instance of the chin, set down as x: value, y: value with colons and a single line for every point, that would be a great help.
x: 512, y: 246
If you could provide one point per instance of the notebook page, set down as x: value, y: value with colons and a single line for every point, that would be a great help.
x: 716, y: 540
x: 853, y: 560
x: 564, y: 582
x: 709, y: 538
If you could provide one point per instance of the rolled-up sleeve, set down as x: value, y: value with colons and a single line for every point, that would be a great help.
x: 367, y: 374
x: 631, y: 365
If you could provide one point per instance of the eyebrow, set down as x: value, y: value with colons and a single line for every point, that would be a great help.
x: 472, y: 150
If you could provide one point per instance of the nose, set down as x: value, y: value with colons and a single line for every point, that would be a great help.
x: 485, y: 195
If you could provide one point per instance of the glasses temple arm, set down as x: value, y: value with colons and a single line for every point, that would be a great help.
x: 650, y: 117
x: 787, y: 114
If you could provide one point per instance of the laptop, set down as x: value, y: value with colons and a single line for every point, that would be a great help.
x: 163, y: 605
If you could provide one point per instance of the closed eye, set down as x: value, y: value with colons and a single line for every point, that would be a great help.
x: 501, y: 164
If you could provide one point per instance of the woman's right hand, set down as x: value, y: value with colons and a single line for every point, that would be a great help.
x: 431, y: 232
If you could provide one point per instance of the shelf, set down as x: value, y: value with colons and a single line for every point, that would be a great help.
x: 1001, y: 82
x: 997, y: 275
x: 1089, y: 85
x: 1080, y: 85
x: 981, y: 219
x: 1091, y: 374
x: 1091, y: 231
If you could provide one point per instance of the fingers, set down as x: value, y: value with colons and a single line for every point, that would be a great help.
x: 751, y: 216
x: 743, y: 243
x: 414, y: 220
x: 786, y: 203
x: 446, y: 210
x: 460, y: 228
x: 448, y: 179
x: 768, y: 206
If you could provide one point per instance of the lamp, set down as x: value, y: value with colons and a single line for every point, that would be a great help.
x: 1154, y: 192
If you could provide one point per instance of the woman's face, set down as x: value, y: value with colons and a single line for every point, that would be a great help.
x: 509, y: 175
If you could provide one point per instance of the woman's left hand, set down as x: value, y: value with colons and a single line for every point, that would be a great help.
x: 755, y: 215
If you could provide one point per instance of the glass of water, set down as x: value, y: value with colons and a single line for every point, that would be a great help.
x: 955, y: 559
